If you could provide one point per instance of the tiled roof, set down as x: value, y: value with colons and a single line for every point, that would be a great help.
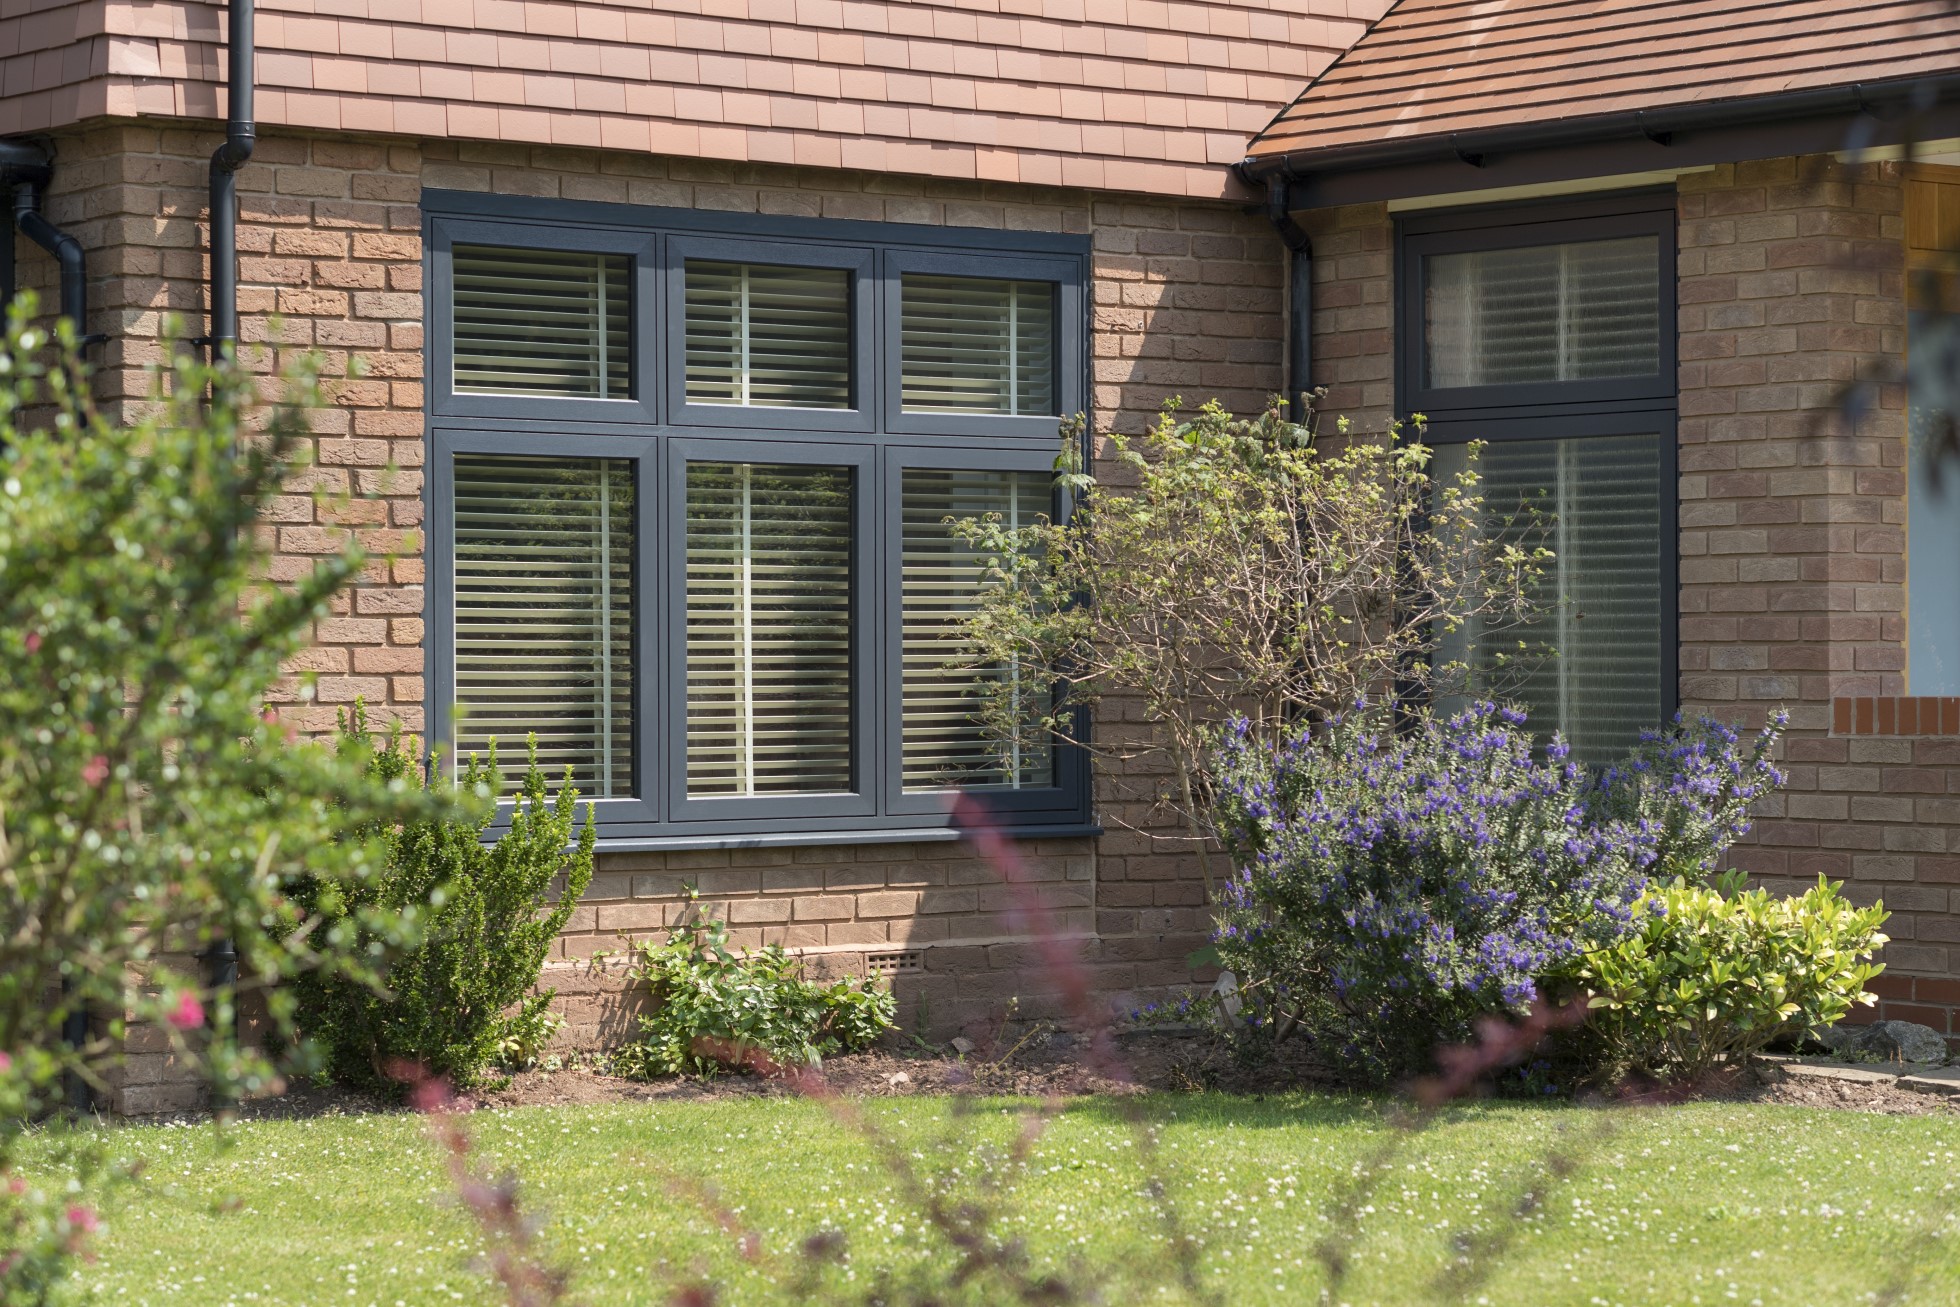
x: 1140, y: 95
x: 1431, y: 67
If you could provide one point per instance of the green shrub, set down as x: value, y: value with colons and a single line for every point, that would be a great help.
x: 151, y: 803
x: 1714, y: 973
x: 449, y: 1000
x: 717, y: 1008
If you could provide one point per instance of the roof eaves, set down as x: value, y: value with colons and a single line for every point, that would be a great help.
x: 1879, y: 99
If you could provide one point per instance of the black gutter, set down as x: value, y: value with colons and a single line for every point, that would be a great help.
x: 1298, y: 382
x: 226, y: 160
x: 1878, y: 99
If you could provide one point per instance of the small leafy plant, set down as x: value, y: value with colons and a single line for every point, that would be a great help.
x: 1714, y: 973
x: 462, y: 998
x: 754, y: 1010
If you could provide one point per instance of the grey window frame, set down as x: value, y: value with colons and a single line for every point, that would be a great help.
x: 440, y: 242
x: 1068, y: 311
x: 1071, y: 763
x: 1564, y: 409
x: 857, y: 261
x: 657, y: 432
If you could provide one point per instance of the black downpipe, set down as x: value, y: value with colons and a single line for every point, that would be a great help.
x: 27, y: 167
x: 65, y: 248
x: 236, y: 151
x: 226, y: 160
x: 8, y: 277
x: 1298, y: 366
x: 74, y: 1033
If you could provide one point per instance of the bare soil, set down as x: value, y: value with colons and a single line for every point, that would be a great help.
x: 1046, y: 1065
x: 1768, y: 1083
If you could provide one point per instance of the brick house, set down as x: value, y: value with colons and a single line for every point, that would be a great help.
x: 664, y: 336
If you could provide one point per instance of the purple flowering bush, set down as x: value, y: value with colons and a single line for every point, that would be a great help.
x: 1395, y: 881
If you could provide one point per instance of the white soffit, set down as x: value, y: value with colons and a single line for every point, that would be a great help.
x: 1942, y: 152
x: 1541, y: 190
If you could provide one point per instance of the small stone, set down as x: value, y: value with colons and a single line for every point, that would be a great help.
x: 898, y: 1078
x: 1226, y: 990
x: 962, y: 1046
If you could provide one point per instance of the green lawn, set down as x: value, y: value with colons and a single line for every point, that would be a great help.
x: 1707, y: 1203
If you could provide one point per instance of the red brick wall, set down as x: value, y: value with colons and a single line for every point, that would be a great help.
x: 1793, y: 542
x: 1186, y: 301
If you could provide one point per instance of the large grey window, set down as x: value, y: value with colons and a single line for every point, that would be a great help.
x: 978, y: 345
x: 695, y: 482
x: 764, y: 335
x: 768, y: 629
x: 544, y: 615
x: 541, y: 322
x: 964, y: 724
x: 1546, y: 332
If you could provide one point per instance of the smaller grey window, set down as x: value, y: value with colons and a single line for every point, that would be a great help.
x: 977, y: 345
x: 1592, y: 666
x: 1575, y: 311
x: 768, y: 336
x: 541, y: 322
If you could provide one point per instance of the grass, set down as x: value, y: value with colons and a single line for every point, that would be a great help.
x: 1706, y: 1203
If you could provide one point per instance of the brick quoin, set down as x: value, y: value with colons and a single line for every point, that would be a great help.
x: 1185, y: 302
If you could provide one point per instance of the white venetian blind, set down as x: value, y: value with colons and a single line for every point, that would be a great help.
x: 768, y: 629
x: 949, y: 735
x: 767, y: 336
x: 1574, y: 312
x: 977, y: 345
x: 541, y: 322
x: 544, y: 616
x: 1593, y: 665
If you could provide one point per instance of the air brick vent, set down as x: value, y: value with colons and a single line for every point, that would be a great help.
x: 892, y: 964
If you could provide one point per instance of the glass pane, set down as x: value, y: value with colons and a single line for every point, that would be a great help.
x: 541, y: 322
x: 947, y: 737
x: 767, y: 336
x: 1932, y: 529
x: 1574, y: 312
x: 977, y: 345
x: 768, y: 629
x: 1593, y: 665
x: 544, y: 616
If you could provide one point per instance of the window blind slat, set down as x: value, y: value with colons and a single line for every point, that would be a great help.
x: 541, y: 322
x: 945, y: 737
x: 977, y: 345
x: 544, y: 616
x: 1592, y: 666
x: 768, y: 336
x: 769, y: 642
x: 1579, y: 311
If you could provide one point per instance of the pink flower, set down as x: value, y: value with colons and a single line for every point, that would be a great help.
x: 6, y: 1064
x: 83, y: 1219
x: 34, y: 642
x: 188, y: 1014
x: 96, y: 771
